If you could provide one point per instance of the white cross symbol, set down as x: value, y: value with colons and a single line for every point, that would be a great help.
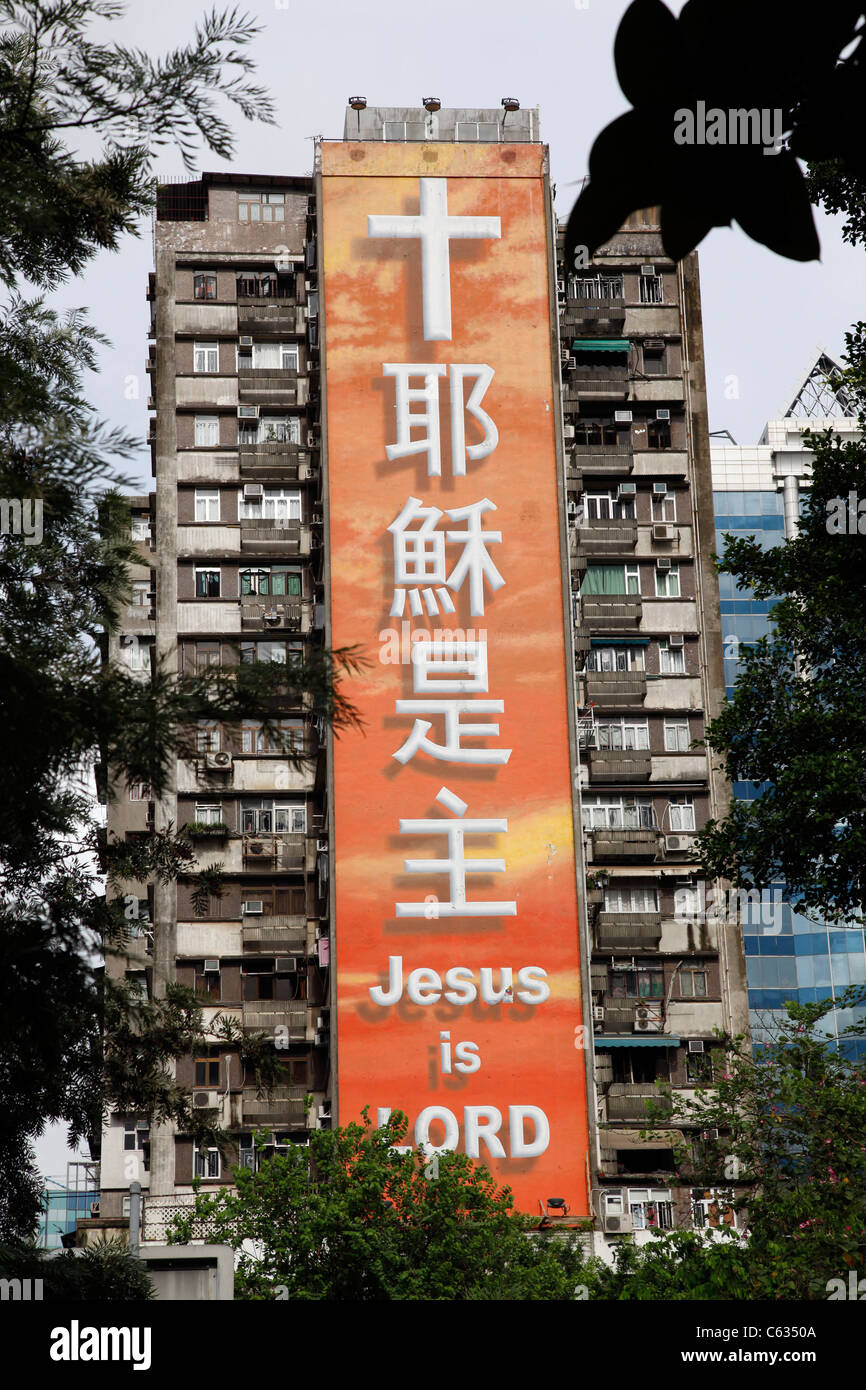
x: 435, y: 228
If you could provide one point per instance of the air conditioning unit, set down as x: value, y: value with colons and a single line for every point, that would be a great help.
x: 248, y: 412
x: 660, y: 489
x: 647, y: 270
x: 312, y: 439
x: 285, y: 965
x: 626, y: 490
x: 317, y: 519
x: 696, y: 1045
x: 663, y: 562
x: 654, y: 344
x: 622, y: 417
x: 618, y: 1225
x: 205, y: 1100
x: 663, y: 532
x: 324, y: 1111
x: 322, y: 846
x: 568, y: 431
x: 676, y: 844
x: 272, y: 616
x: 252, y: 908
x: 218, y: 762
x: 560, y: 287
x: 647, y: 1020
x: 598, y: 1013
x: 676, y: 639
x: 212, y: 965
x: 258, y: 847
x: 252, y: 490
x: 663, y: 413
x: 245, y: 342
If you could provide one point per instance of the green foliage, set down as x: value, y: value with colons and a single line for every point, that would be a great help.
x: 105, y: 1272
x: 731, y: 55
x: 797, y: 718
x: 57, y: 211
x: 350, y: 1217
x: 64, y: 580
x: 204, y: 829
x: 837, y: 190
x: 143, y: 1035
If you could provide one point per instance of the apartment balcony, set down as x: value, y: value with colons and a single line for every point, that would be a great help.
x: 581, y: 649
x: 625, y: 845
x: 661, y: 463
x: 140, y: 619
x: 211, y: 539
x: 207, y: 616
x: 204, y: 319
x: 266, y: 1015
x: 664, y: 538
x: 265, y: 537
x: 674, y: 693
x: 276, y: 387
x: 206, y: 392
x: 601, y: 536
x: 627, y: 1100
x: 271, y: 318
x: 619, y: 765
x: 618, y: 1015
x: 594, y: 383
x: 270, y: 852
x: 286, y: 460
x: 680, y: 767
x: 621, y: 1014
x: 621, y: 930
x: 195, y: 466
x: 611, y: 612
x: 282, y: 934
x: 579, y: 316
x: 652, y: 320
x: 261, y: 614
x: 577, y: 559
x: 615, y: 689
x: 658, y: 390
x: 284, y: 1107
x: 607, y: 460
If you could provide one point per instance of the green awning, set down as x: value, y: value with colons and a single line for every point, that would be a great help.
x: 619, y: 641
x: 639, y: 1040
x: 600, y: 345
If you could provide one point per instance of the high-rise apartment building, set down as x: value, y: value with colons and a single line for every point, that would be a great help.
x: 237, y: 533
x: 757, y: 491
x: 234, y: 530
x: 665, y: 975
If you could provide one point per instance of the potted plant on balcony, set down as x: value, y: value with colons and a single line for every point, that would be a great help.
x: 205, y: 830
x: 595, y: 886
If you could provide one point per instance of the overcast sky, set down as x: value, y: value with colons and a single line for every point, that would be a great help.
x: 764, y: 317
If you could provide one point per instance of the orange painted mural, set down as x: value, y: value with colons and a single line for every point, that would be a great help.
x: 457, y: 949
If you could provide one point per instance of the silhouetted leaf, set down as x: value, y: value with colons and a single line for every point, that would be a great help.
x: 646, y: 51
x: 771, y: 204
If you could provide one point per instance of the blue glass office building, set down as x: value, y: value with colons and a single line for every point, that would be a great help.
x: 65, y: 1201
x: 756, y: 492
